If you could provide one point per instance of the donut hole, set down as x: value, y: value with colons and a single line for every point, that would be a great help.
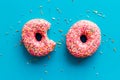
x: 38, y: 36
x: 83, y: 38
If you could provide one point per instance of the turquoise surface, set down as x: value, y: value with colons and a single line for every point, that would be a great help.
x: 17, y: 64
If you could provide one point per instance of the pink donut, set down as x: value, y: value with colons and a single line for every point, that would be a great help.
x: 34, y: 37
x: 83, y: 39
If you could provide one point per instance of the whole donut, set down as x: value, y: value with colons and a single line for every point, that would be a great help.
x: 35, y: 47
x: 83, y: 30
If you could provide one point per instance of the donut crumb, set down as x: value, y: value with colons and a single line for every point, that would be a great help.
x: 41, y: 11
x: 60, y: 31
x: 17, y: 30
x: 104, y: 34
x: 49, y: 56
x: 58, y: 10
x: 114, y: 49
x: 112, y: 40
x: 66, y: 21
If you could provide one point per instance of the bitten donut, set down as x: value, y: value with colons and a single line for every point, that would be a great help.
x: 34, y: 37
x: 83, y: 38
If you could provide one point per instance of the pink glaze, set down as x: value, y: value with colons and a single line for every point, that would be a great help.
x: 75, y: 46
x: 34, y: 47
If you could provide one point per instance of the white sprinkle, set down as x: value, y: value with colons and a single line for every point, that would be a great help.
x: 59, y: 43
x: 46, y: 71
x: 97, y: 74
x: 88, y: 16
x: 53, y: 18
x: 101, y: 52
x: 95, y: 11
x: 41, y: 6
x: 70, y: 20
x: 103, y: 16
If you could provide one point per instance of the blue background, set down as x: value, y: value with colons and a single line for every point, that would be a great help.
x: 17, y: 64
